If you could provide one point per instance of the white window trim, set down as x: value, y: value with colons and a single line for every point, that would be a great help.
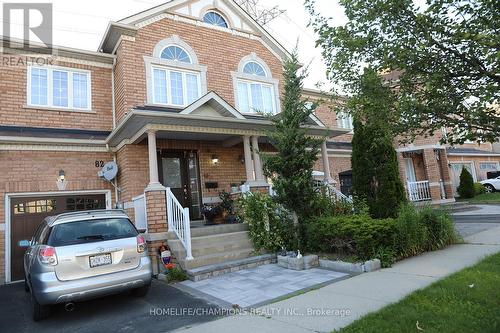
x: 472, y: 165
x: 50, y: 88
x: 153, y: 62
x: 216, y: 11
x: 249, y: 94
x: 343, y: 119
x: 168, y: 71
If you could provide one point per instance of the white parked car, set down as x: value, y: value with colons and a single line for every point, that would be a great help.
x: 491, y: 185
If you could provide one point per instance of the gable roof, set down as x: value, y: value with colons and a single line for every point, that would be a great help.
x: 128, y: 26
x: 217, y: 103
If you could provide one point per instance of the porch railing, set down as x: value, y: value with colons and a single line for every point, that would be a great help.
x: 178, y: 222
x: 419, y: 191
x: 333, y: 192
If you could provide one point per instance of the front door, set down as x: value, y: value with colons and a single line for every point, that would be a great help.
x: 180, y: 172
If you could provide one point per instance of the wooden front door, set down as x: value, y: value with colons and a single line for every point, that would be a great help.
x: 179, y: 170
x: 28, y: 212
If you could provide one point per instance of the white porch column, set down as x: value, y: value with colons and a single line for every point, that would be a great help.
x: 259, y: 174
x: 326, y: 164
x: 248, y: 159
x: 153, y: 161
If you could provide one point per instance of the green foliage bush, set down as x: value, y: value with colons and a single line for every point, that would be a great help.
x: 176, y: 274
x: 479, y: 189
x: 270, y: 226
x: 356, y: 234
x: 466, y: 187
x: 410, y: 233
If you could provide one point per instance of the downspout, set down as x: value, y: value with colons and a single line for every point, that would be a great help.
x: 113, y: 109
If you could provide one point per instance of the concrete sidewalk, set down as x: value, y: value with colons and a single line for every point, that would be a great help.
x: 337, y: 305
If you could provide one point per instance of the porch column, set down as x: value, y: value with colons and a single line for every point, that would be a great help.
x: 153, y: 161
x: 433, y: 173
x: 259, y: 174
x: 248, y: 159
x: 326, y: 164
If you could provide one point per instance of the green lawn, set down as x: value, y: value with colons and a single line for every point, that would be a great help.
x: 449, y: 305
x: 487, y: 197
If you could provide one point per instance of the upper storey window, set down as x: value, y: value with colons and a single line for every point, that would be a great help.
x: 174, y: 77
x: 255, y: 90
x: 345, y: 120
x: 254, y: 68
x: 59, y: 87
x: 216, y: 19
x: 175, y: 53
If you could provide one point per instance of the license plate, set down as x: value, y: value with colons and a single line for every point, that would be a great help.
x: 100, y: 260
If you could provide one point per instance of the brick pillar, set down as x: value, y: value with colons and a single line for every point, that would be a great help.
x: 432, y: 170
x: 402, y: 171
x: 445, y: 174
x: 156, y: 214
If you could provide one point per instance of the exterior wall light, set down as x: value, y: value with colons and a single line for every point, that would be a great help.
x: 61, y: 180
x: 215, y: 159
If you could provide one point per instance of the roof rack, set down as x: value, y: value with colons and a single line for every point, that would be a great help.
x: 53, y: 219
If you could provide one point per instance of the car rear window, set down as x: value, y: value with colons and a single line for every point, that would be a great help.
x: 89, y: 231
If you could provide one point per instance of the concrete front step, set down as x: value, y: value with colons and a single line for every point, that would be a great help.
x: 206, y: 245
x: 216, y: 258
x: 208, y: 271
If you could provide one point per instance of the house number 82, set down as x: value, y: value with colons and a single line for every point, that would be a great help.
x: 99, y: 164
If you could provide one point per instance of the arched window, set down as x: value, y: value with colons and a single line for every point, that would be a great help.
x: 254, y: 68
x: 175, y: 53
x: 215, y: 19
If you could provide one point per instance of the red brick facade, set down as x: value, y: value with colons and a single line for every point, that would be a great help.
x: 30, y: 163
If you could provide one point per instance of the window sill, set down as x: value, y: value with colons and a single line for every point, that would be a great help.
x: 56, y: 109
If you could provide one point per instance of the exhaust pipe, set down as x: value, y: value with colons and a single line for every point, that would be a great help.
x: 69, y: 306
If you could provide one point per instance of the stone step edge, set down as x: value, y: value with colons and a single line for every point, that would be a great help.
x: 208, y: 271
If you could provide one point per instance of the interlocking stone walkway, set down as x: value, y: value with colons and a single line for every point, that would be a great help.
x: 257, y: 286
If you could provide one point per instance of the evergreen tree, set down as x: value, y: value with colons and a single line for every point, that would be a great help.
x: 291, y: 167
x: 466, y: 187
x: 374, y: 159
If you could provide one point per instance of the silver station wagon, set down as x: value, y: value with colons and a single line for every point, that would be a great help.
x: 83, y: 255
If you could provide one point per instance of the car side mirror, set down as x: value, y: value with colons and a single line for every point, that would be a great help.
x: 142, y: 231
x: 24, y: 243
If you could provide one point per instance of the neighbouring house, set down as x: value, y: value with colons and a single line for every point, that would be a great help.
x: 171, y: 96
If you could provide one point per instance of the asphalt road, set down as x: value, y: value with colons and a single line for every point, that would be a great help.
x: 471, y: 224
x: 118, y: 313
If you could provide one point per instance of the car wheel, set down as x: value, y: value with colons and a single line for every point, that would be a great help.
x: 39, y: 311
x: 489, y: 188
x: 141, y: 291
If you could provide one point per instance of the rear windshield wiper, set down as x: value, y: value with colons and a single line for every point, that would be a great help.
x: 89, y: 237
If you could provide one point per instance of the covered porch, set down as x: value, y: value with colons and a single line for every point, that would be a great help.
x: 425, y: 174
x: 175, y: 161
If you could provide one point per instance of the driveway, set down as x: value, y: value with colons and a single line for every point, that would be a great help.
x: 118, y: 313
x: 482, y: 218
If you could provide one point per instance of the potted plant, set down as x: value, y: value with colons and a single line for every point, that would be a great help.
x: 227, y: 205
x: 210, y: 212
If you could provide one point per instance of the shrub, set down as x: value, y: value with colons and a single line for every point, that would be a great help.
x: 466, y: 187
x: 356, y: 234
x: 412, y: 232
x: 479, y: 189
x: 176, y: 274
x: 424, y: 230
x: 323, y: 205
x: 270, y: 225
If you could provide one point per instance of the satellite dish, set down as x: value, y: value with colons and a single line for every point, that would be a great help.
x: 109, y: 171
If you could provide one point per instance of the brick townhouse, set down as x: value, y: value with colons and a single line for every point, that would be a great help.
x: 170, y: 96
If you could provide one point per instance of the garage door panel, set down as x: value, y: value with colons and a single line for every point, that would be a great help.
x: 28, y: 212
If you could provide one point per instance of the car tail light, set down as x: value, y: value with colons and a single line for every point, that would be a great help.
x: 141, y: 244
x: 47, y: 255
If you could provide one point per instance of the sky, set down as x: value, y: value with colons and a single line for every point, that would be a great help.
x: 81, y: 24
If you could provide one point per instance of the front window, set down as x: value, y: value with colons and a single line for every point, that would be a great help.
x: 58, y: 87
x: 216, y: 19
x: 175, y: 87
x: 254, y: 93
x: 344, y: 120
x: 175, y: 53
x: 254, y: 97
